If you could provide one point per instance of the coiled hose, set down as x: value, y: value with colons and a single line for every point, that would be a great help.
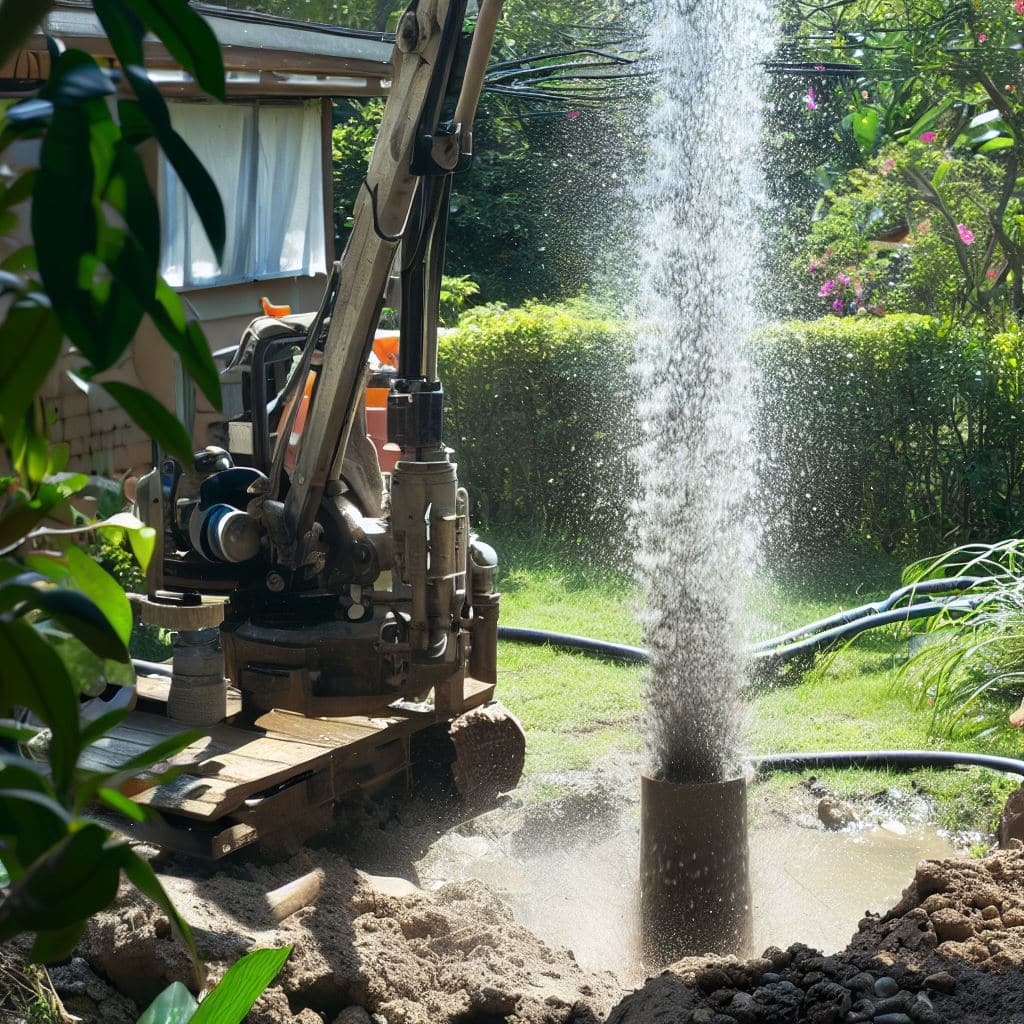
x: 810, y: 639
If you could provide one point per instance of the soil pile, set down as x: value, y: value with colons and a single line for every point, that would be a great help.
x: 951, y: 950
x: 410, y: 957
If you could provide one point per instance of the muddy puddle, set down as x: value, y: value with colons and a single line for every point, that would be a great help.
x: 572, y: 881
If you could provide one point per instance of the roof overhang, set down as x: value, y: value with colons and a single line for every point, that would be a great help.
x: 263, y: 55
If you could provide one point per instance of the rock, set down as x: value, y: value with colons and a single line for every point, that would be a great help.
x: 931, y: 877
x: 893, y: 1018
x: 1013, y: 917
x: 990, y: 913
x: 899, y: 1003
x: 87, y: 996
x: 861, y: 982
x: 1011, y: 824
x: 353, y: 1015
x: 744, y: 1008
x: 941, y: 981
x: 383, y: 885
x: 886, y: 987
x: 826, y: 1002
x: 703, y: 1016
x: 952, y: 926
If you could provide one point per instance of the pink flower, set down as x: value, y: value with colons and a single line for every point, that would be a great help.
x: 992, y: 274
x: 812, y: 268
x: 1019, y: 6
x: 844, y: 280
x: 982, y: 37
x: 809, y: 101
x: 827, y: 289
x: 965, y: 233
x: 838, y: 305
x: 573, y: 115
x: 888, y: 165
x: 819, y: 67
x: 930, y: 136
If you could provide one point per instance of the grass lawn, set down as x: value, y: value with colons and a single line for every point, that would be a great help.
x: 576, y: 708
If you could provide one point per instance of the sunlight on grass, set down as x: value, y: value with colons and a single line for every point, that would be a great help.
x: 578, y: 709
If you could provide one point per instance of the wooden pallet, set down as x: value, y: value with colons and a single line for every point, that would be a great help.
x: 238, y: 785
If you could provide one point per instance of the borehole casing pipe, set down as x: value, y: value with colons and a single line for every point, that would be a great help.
x: 694, y: 869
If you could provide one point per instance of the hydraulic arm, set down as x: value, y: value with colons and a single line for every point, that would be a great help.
x: 345, y: 588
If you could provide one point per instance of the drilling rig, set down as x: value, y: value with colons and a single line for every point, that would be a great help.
x: 353, y: 612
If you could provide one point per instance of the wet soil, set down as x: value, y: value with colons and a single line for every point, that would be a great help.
x: 414, y: 936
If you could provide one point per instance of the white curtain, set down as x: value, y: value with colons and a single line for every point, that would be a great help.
x: 266, y: 163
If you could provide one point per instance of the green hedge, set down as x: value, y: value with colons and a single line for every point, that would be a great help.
x: 539, y: 415
x: 893, y: 430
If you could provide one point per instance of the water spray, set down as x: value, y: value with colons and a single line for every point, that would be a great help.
x: 697, y: 542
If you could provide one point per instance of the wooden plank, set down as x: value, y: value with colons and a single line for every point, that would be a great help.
x: 327, y: 732
x: 221, y: 770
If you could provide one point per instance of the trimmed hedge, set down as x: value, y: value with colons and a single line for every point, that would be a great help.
x: 895, y: 430
x: 539, y: 413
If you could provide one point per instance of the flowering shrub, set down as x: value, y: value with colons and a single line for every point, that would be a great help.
x: 879, y: 244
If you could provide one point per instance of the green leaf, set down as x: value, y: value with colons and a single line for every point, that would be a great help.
x: 31, y: 820
x: 941, y: 171
x: 34, y: 677
x: 233, y: 998
x: 19, y: 192
x: 197, y: 181
x: 188, y: 340
x: 56, y: 945
x: 175, y: 1005
x: 123, y: 29
x: 30, y: 343
x: 143, y: 544
x: 1002, y: 142
x: 865, y: 128
x: 142, y: 876
x: 73, y: 611
x: 929, y: 117
x: 153, y: 418
x: 73, y: 880
x: 123, y: 805
x: 189, y: 39
x: 96, y: 583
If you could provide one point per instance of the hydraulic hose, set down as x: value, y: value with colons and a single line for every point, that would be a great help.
x: 905, y: 760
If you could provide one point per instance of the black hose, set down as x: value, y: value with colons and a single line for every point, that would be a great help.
x: 951, y: 585
x: 603, y: 648
x: 904, y: 760
x: 810, y: 639
x: 818, y: 641
x: 151, y: 668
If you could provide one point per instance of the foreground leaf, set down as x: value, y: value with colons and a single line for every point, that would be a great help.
x: 233, y: 998
x: 175, y: 1005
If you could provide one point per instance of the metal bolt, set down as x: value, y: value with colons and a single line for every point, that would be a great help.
x: 275, y: 582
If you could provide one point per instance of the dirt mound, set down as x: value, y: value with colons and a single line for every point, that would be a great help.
x: 454, y: 955
x: 951, y: 950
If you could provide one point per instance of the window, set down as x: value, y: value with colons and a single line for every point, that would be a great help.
x: 266, y: 161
